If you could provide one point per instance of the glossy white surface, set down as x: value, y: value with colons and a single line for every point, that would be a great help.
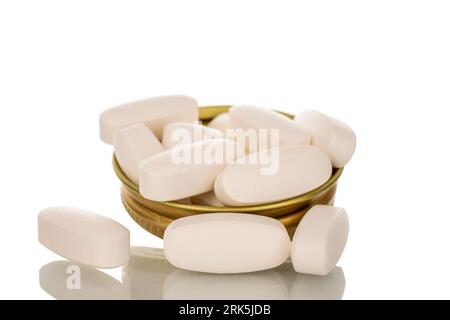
x: 59, y: 279
x: 149, y: 276
x: 226, y: 243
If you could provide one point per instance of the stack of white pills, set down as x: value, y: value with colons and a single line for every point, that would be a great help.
x: 246, y: 156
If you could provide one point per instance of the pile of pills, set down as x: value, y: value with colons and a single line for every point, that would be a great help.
x: 246, y: 156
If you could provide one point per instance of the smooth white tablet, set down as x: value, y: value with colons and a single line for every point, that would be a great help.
x: 84, y: 237
x: 207, y: 199
x: 319, y: 240
x: 182, y: 133
x: 155, y: 113
x: 146, y: 272
x: 221, y: 122
x: 226, y: 243
x: 187, y: 170
x: 262, y: 121
x: 332, y: 135
x: 273, y: 175
x: 65, y: 280
x: 132, y: 145
x: 187, y: 285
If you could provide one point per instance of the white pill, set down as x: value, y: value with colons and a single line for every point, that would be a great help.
x: 187, y: 285
x: 273, y: 175
x: 334, y: 136
x: 65, y: 280
x: 319, y: 240
x: 226, y: 243
x: 207, y: 199
x: 155, y: 113
x: 187, y: 170
x: 132, y: 145
x: 221, y: 122
x: 84, y: 237
x: 278, y: 129
x: 182, y: 133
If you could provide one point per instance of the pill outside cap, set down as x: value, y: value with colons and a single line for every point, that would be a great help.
x: 319, y: 240
x: 226, y: 243
x: 84, y: 237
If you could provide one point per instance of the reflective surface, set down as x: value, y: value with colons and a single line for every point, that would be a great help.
x: 149, y: 275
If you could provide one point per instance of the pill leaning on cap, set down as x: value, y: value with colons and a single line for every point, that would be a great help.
x: 331, y: 134
x: 319, y: 240
x: 187, y: 170
x: 84, y: 237
x: 132, y: 145
x: 226, y: 243
x: 155, y: 113
x: 273, y: 175
x: 251, y: 117
x: 182, y: 133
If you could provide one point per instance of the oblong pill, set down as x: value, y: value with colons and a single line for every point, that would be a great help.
x: 187, y: 170
x: 221, y: 122
x: 182, y: 133
x: 132, y: 145
x: 264, y: 120
x: 226, y: 243
x: 84, y: 237
x: 331, y: 134
x: 273, y: 175
x: 207, y: 199
x: 319, y: 240
x: 155, y: 113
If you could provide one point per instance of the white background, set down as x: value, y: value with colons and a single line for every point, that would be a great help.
x: 381, y: 66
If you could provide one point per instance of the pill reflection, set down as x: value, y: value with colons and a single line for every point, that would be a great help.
x: 146, y: 272
x: 66, y: 280
x: 310, y: 287
x: 149, y: 275
x: 264, y: 285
